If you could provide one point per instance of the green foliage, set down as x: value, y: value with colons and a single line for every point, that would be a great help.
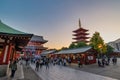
x: 77, y: 45
x: 72, y: 45
x: 81, y: 44
x: 98, y: 43
x: 109, y: 49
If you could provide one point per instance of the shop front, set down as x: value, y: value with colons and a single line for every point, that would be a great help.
x: 84, y: 54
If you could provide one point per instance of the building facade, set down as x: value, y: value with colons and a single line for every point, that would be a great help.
x: 35, y: 45
x: 11, y: 41
x: 115, y: 44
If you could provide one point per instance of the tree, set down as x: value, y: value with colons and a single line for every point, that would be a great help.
x: 97, y: 43
x: 109, y: 50
x: 72, y: 45
x: 81, y: 44
x: 77, y: 45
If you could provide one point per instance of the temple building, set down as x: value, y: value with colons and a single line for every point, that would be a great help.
x: 81, y: 34
x: 35, y: 45
x: 11, y: 42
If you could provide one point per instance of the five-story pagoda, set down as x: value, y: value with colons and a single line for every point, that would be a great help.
x: 81, y: 34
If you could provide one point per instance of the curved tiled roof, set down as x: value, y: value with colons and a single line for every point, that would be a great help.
x: 5, y: 29
x: 38, y: 39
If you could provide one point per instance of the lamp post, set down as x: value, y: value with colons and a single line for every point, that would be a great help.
x: 100, y: 48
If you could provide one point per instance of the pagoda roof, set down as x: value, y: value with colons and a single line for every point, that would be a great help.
x: 81, y: 41
x: 80, y: 34
x: 36, y: 38
x: 77, y: 38
x: 80, y: 29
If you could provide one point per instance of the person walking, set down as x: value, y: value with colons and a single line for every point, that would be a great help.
x: 47, y: 63
x: 13, y: 69
x: 41, y: 63
x: 37, y: 65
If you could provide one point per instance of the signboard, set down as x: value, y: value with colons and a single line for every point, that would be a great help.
x: 90, y: 57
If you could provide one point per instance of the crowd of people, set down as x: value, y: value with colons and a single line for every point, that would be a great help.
x: 45, y: 61
x: 106, y: 61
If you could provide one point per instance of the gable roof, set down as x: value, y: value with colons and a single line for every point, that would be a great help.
x: 74, y: 51
x: 48, y: 52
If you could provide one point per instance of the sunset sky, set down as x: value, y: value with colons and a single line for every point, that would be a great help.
x: 56, y: 19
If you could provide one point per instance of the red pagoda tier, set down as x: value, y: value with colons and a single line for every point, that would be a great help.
x: 81, y: 34
x: 35, y: 45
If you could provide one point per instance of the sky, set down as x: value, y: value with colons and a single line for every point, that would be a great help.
x: 56, y: 19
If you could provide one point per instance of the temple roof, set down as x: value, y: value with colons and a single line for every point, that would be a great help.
x: 19, y: 38
x: 8, y: 30
x: 81, y: 34
x: 74, y: 51
x: 38, y: 39
x: 81, y: 37
x: 81, y: 41
x: 48, y: 52
x: 80, y: 29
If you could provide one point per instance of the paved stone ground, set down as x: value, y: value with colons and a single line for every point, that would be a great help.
x: 112, y: 71
x: 18, y: 74
x: 28, y: 74
x: 64, y: 73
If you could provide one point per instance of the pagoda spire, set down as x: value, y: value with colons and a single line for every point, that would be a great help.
x: 79, y: 23
x: 80, y: 34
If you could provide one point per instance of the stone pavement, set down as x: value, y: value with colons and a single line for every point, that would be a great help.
x: 29, y: 74
x: 112, y: 71
x: 64, y: 73
x: 23, y: 73
x: 87, y: 72
x: 18, y: 75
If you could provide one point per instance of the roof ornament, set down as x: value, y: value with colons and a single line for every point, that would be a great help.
x: 79, y: 23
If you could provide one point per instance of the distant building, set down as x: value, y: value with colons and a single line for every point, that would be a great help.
x: 48, y: 53
x: 115, y: 44
x: 81, y: 34
x: 86, y: 55
x: 35, y: 45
